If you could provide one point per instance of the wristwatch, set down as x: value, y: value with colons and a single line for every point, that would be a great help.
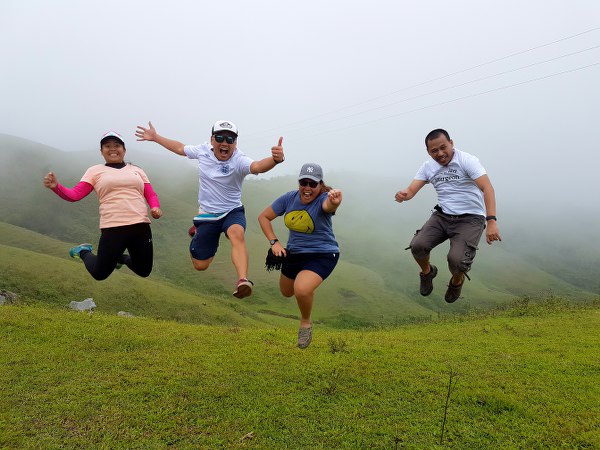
x: 272, y: 241
x: 491, y: 218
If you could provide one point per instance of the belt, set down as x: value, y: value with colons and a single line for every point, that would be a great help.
x: 452, y: 216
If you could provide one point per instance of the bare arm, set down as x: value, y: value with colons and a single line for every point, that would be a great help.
x: 150, y: 134
x: 264, y: 219
x: 412, y: 189
x: 266, y: 164
x: 489, y: 197
x: 333, y: 201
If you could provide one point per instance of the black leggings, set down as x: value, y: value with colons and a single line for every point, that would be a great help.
x: 137, y: 239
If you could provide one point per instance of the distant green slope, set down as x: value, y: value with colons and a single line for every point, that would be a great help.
x: 40, y: 277
x: 42, y: 270
x: 375, y: 282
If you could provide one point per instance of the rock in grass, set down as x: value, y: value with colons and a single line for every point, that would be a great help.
x: 7, y: 297
x: 85, y: 305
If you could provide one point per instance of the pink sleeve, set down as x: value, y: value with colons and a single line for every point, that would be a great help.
x: 151, y: 196
x: 79, y: 191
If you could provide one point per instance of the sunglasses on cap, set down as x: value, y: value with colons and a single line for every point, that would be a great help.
x: 220, y: 138
x: 306, y: 182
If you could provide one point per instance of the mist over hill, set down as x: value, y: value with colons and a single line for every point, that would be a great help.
x: 376, y: 280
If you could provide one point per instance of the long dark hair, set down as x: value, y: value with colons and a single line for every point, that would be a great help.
x: 324, y: 187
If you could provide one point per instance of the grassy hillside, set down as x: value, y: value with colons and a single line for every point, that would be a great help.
x: 376, y: 281
x: 527, y: 377
x: 53, y: 281
x: 197, y: 368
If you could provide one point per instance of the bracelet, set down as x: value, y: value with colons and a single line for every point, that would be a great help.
x: 491, y: 218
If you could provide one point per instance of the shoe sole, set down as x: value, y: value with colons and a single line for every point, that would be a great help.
x: 305, y: 345
x: 435, y: 271
x: 302, y: 347
x: 453, y: 299
x: 76, y: 255
x: 243, y: 290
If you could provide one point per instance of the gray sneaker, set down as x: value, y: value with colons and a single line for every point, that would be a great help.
x: 427, y: 281
x: 304, y: 337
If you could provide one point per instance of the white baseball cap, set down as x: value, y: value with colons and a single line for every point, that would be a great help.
x: 224, y: 125
x: 112, y: 134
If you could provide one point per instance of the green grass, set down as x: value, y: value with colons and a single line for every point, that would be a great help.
x: 376, y: 281
x: 197, y: 368
x: 528, y: 377
x: 48, y: 280
x: 355, y: 296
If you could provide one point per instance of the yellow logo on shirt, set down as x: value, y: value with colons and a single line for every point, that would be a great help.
x: 299, y: 221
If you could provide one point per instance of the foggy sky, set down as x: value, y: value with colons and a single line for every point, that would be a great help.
x: 350, y: 85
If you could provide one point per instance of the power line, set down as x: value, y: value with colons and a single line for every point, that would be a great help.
x: 445, y: 89
x: 425, y: 82
x: 446, y: 102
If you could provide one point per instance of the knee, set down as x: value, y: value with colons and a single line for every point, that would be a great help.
x: 419, y: 250
x: 100, y: 276
x: 302, y: 292
x: 453, y: 264
x: 287, y: 293
x: 459, y: 263
x: 235, y: 233
x: 201, y: 264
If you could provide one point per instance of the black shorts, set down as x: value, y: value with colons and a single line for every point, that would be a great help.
x: 320, y: 263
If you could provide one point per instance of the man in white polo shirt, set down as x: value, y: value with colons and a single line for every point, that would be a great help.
x: 466, y: 206
x: 222, y: 168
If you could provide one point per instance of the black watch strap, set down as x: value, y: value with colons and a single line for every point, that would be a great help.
x: 272, y: 241
x: 491, y: 218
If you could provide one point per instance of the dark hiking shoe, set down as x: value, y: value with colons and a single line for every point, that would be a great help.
x: 427, y: 281
x: 453, y: 292
x: 304, y: 337
x: 244, y: 288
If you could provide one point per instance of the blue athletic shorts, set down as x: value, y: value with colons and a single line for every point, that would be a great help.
x: 206, y: 240
x: 320, y: 263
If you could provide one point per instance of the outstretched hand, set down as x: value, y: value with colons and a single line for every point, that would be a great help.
x: 335, y: 197
x: 401, y: 196
x: 50, y: 180
x: 277, y: 151
x: 146, y: 134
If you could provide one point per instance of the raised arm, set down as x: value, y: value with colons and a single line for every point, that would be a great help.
x: 150, y: 134
x: 264, y: 165
x: 412, y: 189
x: 79, y: 191
x: 333, y: 201
x: 492, y: 233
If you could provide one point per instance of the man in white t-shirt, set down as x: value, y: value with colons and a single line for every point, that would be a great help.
x: 466, y: 206
x: 222, y: 168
